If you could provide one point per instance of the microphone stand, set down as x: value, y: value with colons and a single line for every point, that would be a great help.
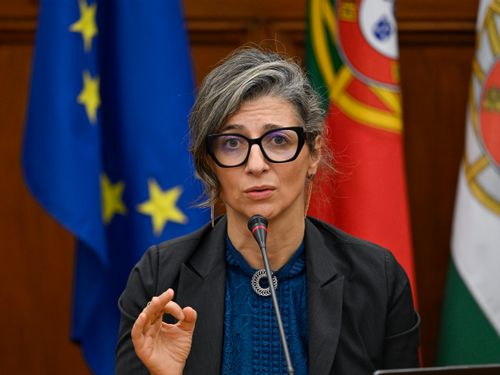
x: 262, y: 223
x: 290, y: 369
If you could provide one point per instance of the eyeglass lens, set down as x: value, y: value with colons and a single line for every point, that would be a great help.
x: 278, y: 145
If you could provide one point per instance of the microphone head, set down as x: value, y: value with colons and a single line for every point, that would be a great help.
x: 256, y: 220
x: 257, y: 224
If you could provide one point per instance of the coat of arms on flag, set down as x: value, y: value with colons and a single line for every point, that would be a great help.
x: 470, y: 328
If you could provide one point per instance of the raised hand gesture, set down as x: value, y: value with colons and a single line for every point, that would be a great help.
x: 163, y: 347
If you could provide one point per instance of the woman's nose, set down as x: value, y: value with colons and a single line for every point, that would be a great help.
x: 256, y: 162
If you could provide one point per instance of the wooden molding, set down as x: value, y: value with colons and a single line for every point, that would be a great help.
x: 436, y: 10
x: 419, y: 21
x: 17, y: 22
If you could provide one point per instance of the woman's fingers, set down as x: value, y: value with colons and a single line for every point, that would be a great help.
x: 156, y: 304
x: 155, y: 308
x: 149, y: 321
x: 189, y: 321
x: 138, y: 330
x: 174, y: 309
x: 150, y: 315
x: 152, y: 338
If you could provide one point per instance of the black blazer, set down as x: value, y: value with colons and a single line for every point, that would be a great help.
x: 360, y: 310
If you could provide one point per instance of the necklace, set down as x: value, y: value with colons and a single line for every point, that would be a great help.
x: 257, y: 288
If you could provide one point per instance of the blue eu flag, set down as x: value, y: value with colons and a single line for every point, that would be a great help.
x: 105, y: 148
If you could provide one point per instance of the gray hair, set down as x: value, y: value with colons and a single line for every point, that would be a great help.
x: 247, y: 74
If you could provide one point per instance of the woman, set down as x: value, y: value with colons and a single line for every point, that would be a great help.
x: 257, y: 141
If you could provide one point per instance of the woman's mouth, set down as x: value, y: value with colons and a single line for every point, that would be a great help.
x: 259, y: 192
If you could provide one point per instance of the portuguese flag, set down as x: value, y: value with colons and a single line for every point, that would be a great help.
x: 470, y: 328
x: 353, y: 62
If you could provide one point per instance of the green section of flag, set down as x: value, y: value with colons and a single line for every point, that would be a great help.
x: 313, y: 69
x: 466, y: 336
x: 313, y: 47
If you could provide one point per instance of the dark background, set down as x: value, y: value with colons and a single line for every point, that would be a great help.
x: 36, y: 255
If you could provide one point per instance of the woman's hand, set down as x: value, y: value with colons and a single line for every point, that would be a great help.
x: 162, y: 347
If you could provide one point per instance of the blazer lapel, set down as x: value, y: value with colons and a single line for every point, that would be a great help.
x: 202, y: 286
x: 325, y: 289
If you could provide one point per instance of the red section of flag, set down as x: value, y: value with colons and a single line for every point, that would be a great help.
x: 490, y: 114
x: 364, y: 94
x: 368, y: 196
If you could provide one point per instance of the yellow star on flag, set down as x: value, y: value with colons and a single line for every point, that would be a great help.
x: 89, y: 96
x: 161, y: 206
x: 112, y: 202
x: 86, y: 25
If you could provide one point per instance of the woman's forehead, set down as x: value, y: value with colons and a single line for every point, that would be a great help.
x: 263, y: 113
x: 243, y: 128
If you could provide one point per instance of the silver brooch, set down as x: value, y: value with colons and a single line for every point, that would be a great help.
x: 263, y: 292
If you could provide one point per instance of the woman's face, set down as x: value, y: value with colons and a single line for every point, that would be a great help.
x: 273, y: 190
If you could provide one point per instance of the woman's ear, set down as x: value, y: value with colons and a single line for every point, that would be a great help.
x: 315, y: 156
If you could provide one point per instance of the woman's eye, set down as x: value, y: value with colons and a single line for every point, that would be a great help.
x: 279, y: 139
x: 231, y: 143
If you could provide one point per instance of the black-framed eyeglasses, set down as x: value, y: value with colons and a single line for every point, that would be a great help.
x: 278, y: 145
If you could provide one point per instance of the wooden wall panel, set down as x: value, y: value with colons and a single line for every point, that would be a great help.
x: 436, y: 46
x: 251, y: 10
x: 36, y: 254
x: 434, y: 83
x: 425, y: 11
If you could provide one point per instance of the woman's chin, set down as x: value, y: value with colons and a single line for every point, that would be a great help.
x: 270, y: 210
x: 248, y: 212
x: 263, y: 210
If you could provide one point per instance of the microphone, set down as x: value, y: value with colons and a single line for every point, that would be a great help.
x: 257, y: 224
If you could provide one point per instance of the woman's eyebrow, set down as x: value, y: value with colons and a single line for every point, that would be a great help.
x: 232, y: 127
x: 273, y: 126
x: 239, y: 127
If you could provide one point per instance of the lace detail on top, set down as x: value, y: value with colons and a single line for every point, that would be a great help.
x: 251, y: 338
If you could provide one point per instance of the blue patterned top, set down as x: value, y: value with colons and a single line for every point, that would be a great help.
x: 251, y: 337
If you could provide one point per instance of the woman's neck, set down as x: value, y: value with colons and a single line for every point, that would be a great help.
x: 283, y: 239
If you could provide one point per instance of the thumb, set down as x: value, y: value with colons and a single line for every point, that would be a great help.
x: 189, y: 321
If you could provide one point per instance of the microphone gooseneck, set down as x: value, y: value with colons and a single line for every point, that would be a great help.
x: 257, y: 224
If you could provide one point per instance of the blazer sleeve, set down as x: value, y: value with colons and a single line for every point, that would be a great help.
x: 403, y: 322
x: 141, y: 287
